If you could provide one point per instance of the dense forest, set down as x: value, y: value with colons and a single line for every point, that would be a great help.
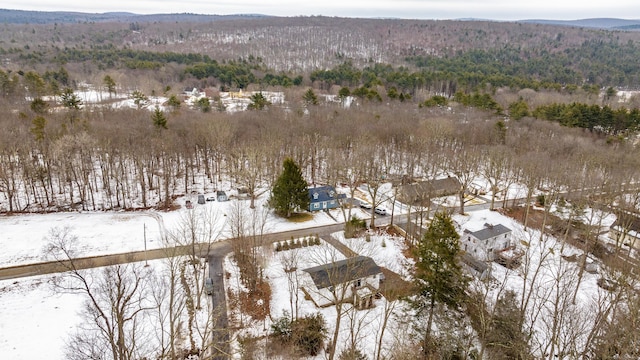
x: 542, y: 106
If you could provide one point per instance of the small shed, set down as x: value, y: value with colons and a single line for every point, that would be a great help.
x: 477, y: 268
x: 221, y: 195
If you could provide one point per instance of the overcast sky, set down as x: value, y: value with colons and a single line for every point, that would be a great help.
x: 412, y: 9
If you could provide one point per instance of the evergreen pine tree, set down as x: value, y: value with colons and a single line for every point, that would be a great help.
x: 290, y: 190
x: 258, y: 102
x: 439, y: 276
x: 159, y: 119
x: 310, y: 98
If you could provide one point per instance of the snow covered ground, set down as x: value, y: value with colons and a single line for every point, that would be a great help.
x: 36, y: 321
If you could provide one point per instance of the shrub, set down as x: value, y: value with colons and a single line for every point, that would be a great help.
x: 281, y: 328
x: 352, y: 353
x: 307, y: 334
x: 353, y: 227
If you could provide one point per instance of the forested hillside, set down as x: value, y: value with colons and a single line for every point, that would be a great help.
x: 363, y: 104
x: 452, y: 71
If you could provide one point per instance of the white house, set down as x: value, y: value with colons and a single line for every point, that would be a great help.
x: 484, y: 243
x: 356, y: 279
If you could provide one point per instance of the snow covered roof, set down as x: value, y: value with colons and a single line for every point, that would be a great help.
x: 343, y: 271
x: 490, y: 231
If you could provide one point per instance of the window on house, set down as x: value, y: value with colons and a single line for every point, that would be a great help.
x: 315, y: 196
x: 316, y: 206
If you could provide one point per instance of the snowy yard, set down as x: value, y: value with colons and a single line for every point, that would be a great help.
x: 36, y: 321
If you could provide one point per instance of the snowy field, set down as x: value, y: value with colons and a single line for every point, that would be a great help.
x: 24, y: 236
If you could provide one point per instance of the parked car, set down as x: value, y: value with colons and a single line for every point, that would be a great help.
x: 208, y: 286
x: 200, y: 199
x: 366, y: 205
x: 380, y: 211
x: 211, y: 198
x: 188, y: 204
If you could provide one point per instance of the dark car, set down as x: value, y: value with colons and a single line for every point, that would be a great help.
x: 208, y: 286
x: 200, y: 199
x: 211, y: 198
x: 188, y: 204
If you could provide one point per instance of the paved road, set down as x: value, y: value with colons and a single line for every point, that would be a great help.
x: 219, y: 321
x: 221, y: 247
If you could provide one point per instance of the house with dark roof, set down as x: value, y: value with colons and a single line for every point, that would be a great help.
x: 420, y: 193
x: 625, y: 230
x: 324, y: 198
x: 355, y: 279
x: 485, y: 243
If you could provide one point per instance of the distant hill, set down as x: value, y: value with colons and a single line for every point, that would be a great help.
x: 598, y: 23
x: 50, y: 17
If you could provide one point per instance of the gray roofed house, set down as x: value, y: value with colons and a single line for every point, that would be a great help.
x: 355, y: 279
x: 483, y: 244
x: 421, y: 193
x: 490, y: 231
x: 343, y: 271
x: 625, y: 230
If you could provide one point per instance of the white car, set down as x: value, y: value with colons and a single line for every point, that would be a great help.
x: 380, y: 211
x: 366, y: 205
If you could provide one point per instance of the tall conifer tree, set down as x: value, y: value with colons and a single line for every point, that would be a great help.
x: 290, y: 190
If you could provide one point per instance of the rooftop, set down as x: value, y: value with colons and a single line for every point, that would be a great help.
x: 343, y: 271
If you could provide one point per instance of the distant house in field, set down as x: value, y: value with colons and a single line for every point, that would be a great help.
x: 485, y: 243
x: 420, y: 193
x: 625, y: 230
x: 324, y: 198
x: 356, y: 279
x: 221, y: 195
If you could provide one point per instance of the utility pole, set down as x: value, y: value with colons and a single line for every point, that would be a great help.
x: 144, y: 232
